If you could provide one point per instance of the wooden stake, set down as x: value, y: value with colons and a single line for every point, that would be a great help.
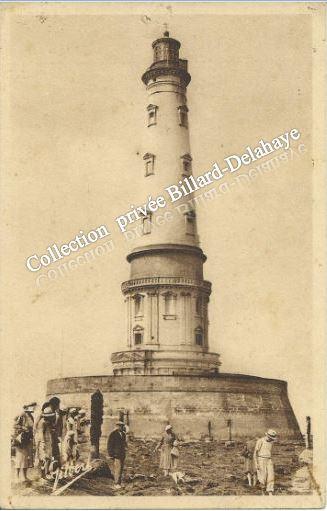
x: 63, y: 488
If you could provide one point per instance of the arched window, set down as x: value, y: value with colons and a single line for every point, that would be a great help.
x: 199, y: 336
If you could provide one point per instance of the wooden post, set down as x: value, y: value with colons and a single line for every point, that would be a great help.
x: 96, y: 422
x: 308, y: 437
x: 229, y: 424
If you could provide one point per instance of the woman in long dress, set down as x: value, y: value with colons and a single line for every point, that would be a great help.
x: 70, y: 444
x: 23, y: 443
x: 249, y: 465
x: 38, y: 434
x: 166, y: 445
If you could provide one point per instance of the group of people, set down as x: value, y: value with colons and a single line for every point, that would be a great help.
x: 47, y: 439
x: 51, y: 439
x: 257, y: 454
x: 117, y: 445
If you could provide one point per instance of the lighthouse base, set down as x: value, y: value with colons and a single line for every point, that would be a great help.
x: 194, y: 405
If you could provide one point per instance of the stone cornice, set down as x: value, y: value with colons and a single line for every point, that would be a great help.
x: 222, y: 382
x: 164, y: 248
x: 141, y: 283
x: 173, y: 70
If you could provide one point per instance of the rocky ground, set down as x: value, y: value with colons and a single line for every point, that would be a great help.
x: 210, y: 468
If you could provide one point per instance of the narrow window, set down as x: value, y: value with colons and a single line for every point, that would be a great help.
x: 146, y: 221
x: 138, y: 338
x: 182, y: 112
x: 190, y: 222
x: 198, y: 306
x: 149, y: 164
x: 138, y: 305
x: 186, y: 160
x: 199, y: 336
x: 170, y: 306
x: 138, y: 335
x: 152, y: 114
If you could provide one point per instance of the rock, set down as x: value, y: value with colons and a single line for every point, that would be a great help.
x: 210, y: 484
x: 190, y: 480
x: 135, y: 477
x: 100, y: 468
x: 229, y: 444
x: 140, y: 476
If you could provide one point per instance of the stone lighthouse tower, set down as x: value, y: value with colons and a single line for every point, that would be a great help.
x: 165, y: 371
x: 166, y: 297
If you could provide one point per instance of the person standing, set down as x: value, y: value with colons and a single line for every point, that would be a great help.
x: 263, y: 462
x: 117, y: 450
x: 54, y: 404
x: 38, y: 434
x: 69, y: 449
x: 249, y: 466
x: 83, y: 424
x: 23, y: 442
x: 166, y: 445
x: 47, y: 445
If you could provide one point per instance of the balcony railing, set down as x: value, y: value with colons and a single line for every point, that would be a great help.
x: 165, y: 281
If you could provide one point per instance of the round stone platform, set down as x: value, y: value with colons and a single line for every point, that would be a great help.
x: 188, y: 402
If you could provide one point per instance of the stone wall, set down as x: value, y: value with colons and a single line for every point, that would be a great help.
x: 188, y: 402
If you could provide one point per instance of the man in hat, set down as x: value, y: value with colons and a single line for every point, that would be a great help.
x: 117, y: 451
x: 54, y: 403
x: 263, y: 462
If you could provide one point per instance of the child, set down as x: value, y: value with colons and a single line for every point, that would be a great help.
x: 174, y: 456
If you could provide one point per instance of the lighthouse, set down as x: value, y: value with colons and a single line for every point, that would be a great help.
x: 166, y: 296
x: 165, y: 372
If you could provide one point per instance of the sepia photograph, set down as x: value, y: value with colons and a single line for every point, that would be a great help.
x: 163, y: 258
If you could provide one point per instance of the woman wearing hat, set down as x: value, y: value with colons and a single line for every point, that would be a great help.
x: 45, y: 446
x: 23, y: 442
x: 263, y: 461
x: 167, y: 444
x: 82, y: 425
x: 38, y: 434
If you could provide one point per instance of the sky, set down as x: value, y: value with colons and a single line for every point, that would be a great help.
x: 75, y: 115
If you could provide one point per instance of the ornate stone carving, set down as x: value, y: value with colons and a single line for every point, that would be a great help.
x: 128, y: 356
